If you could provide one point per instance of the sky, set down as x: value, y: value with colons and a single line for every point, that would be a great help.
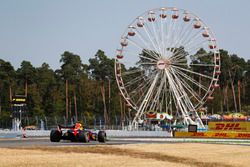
x: 41, y: 30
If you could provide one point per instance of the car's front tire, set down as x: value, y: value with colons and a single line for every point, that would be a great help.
x: 102, y: 136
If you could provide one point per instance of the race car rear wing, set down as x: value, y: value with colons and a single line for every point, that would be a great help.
x: 59, y: 127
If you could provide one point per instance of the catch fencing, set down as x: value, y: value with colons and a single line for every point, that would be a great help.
x: 48, y: 123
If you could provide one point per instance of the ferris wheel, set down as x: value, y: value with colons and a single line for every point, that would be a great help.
x: 167, y: 62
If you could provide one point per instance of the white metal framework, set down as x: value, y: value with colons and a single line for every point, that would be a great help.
x: 174, y: 64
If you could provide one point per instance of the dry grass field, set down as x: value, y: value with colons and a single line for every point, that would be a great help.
x: 140, y: 155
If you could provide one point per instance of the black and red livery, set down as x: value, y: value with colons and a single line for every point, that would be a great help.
x: 76, y: 133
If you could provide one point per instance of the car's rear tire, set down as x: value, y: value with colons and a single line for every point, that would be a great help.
x: 55, y: 136
x: 83, y: 137
x: 102, y: 136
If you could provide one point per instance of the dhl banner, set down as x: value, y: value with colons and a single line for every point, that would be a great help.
x: 229, y: 126
x: 232, y: 135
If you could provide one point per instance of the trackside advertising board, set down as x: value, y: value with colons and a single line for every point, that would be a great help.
x: 232, y: 135
x: 229, y: 126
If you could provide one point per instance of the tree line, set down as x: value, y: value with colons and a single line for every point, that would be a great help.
x: 76, y: 89
x: 90, y: 90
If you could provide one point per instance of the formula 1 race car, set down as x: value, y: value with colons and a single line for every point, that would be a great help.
x: 76, y: 133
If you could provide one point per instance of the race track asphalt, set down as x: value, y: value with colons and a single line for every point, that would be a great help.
x: 44, y: 141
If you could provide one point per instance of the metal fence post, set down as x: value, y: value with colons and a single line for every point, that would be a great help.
x: 46, y: 123
x: 64, y: 121
x: 37, y: 124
